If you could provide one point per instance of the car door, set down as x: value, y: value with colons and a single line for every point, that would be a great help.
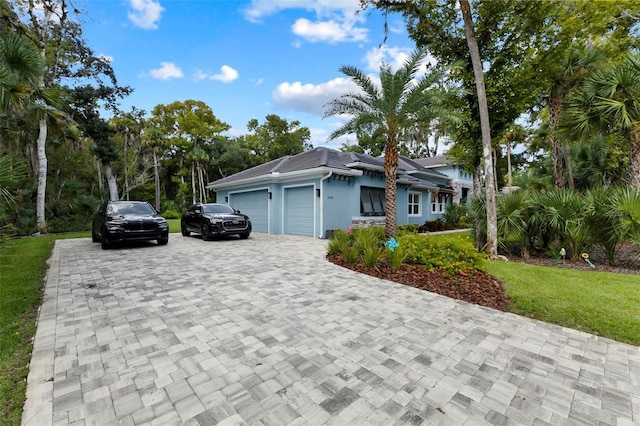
x: 193, y: 218
x: 98, y: 219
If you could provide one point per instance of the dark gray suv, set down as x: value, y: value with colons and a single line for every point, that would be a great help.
x: 128, y: 221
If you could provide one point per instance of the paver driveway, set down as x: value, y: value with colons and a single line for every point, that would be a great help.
x: 265, y: 331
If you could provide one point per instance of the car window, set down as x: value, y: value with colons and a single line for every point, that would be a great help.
x: 218, y: 208
x: 132, y: 208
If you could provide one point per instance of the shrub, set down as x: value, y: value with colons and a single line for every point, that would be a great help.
x: 372, y: 236
x: 453, y: 214
x: 171, y: 214
x: 339, y: 242
x: 432, y: 226
x: 452, y: 255
x: 351, y: 254
x: 371, y: 256
x: 396, y: 257
x: 408, y: 228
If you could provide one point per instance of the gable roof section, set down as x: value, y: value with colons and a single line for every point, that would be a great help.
x: 437, y: 161
x: 324, y: 160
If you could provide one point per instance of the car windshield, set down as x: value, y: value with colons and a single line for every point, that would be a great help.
x: 131, y: 209
x: 218, y: 208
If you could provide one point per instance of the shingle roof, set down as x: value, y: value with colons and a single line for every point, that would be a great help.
x: 438, y: 160
x: 322, y: 157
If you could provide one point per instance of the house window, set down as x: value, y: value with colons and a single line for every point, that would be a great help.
x: 415, y: 199
x: 438, y: 201
x: 371, y: 201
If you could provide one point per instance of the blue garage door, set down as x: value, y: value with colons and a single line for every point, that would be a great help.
x: 254, y: 204
x: 298, y: 218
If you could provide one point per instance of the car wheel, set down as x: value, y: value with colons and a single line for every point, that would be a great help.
x: 104, y: 243
x: 245, y: 235
x: 205, y: 232
x: 94, y: 237
x: 185, y: 233
x: 163, y: 241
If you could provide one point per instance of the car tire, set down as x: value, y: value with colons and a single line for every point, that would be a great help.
x: 205, y: 232
x: 183, y: 228
x: 244, y: 235
x: 163, y: 241
x: 103, y: 241
x: 94, y: 237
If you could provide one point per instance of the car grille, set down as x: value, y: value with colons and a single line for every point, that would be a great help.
x: 141, y: 226
x: 231, y: 225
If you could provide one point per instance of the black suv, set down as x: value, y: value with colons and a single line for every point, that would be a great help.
x: 211, y: 220
x: 128, y: 221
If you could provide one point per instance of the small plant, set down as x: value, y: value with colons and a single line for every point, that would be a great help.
x: 339, y: 242
x: 351, y: 254
x: 396, y: 256
x: 408, y: 228
x: 371, y: 256
x: 367, y: 237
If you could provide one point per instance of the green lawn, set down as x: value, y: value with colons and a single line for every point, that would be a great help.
x: 601, y: 303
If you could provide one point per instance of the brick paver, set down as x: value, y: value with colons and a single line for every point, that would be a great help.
x: 264, y: 331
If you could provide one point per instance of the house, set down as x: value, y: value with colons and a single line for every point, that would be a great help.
x: 323, y: 189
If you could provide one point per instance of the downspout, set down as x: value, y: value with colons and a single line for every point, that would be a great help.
x: 322, y: 202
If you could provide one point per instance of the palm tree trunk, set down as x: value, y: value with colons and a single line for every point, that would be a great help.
x: 492, y: 222
x: 156, y: 179
x: 193, y: 183
x: 555, y: 103
x: 42, y: 176
x: 566, y: 153
x: 634, y: 160
x: 126, y: 177
x: 390, y: 191
x: 111, y: 182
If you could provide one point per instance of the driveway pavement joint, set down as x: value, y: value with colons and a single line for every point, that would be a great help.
x: 265, y: 331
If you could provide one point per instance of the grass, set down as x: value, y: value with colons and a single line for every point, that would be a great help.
x: 600, y: 303
x: 22, y: 271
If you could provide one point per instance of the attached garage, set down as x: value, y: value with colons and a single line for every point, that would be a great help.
x: 299, y: 207
x: 254, y: 204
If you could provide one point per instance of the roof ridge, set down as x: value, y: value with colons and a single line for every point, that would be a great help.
x: 281, y: 163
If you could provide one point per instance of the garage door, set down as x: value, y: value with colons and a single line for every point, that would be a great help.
x: 298, y: 218
x: 254, y: 204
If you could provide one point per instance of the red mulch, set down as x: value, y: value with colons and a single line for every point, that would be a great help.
x: 483, y: 289
x: 479, y: 288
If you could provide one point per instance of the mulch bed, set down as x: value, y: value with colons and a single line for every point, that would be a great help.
x: 479, y: 288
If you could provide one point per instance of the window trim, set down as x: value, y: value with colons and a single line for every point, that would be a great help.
x: 413, y: 203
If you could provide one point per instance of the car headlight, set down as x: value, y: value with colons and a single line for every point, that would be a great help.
x: 114, y: 225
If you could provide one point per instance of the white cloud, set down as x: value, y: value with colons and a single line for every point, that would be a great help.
x: 145, y: 14
x: 106, y: 58
x: 166, y: 71
x: 258, y: 82
x: 332, y: 31
x: 320, y: 137
x: 226, y: 75
x: 394, y: 56
x: 311, y: 98
x: 262, y: 8
x: 336, y: 20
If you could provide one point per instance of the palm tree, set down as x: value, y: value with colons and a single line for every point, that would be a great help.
x: 21, y: 68
x: 608, y: 102
x: 571, y: 69
x: 394, y: 105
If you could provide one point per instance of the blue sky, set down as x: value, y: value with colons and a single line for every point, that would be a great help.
x: 245, y: 59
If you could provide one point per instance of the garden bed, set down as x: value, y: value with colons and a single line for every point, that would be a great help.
x: 479, y: 288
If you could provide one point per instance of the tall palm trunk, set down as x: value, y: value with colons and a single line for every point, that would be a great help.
x: 555, y: 103
x: 634, y: 160
x: 111, y: 182
x: 390, y: 192
x: 156, y: 178
x: 42, y: 176
x: 492, y: 222
x: 566, y: 153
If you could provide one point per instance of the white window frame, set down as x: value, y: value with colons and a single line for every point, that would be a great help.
x: 437, y: 206
x: 412, y: 203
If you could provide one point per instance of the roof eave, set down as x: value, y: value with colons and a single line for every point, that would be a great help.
x: 279, y: 177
